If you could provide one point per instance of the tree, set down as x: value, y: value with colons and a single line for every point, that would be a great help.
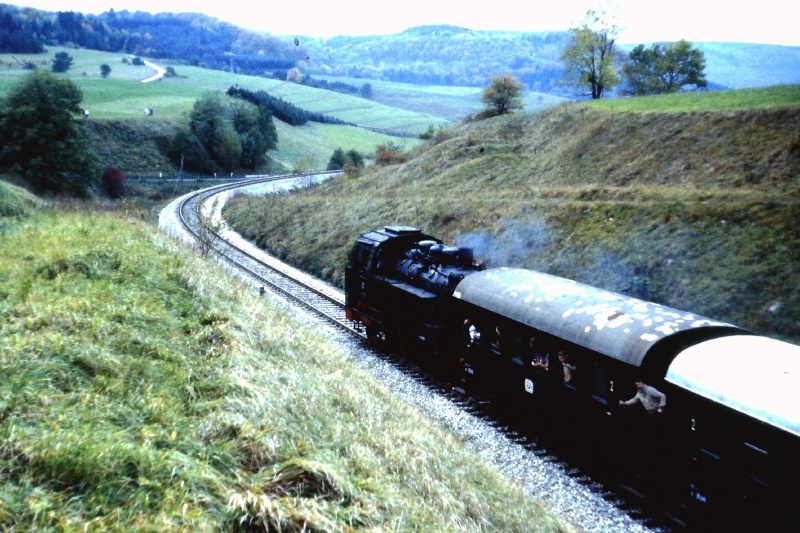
x: 207, y: 122
x: 105, y: 70
x: 591, y: 57
x: 354, y: 158
x: 208, y: 226
x: 62, y: 62
x: 294, y: 75
x: 233, y: 134
x: 366, y: 91
x: 187, y: 152
x: 640, y: 70
x: 665, y: 68
x: 503, y: 94
x: 40, y: 139
x: 257, y: 133
x: 339, y: 159
x: 387, y: 154
x: 681, y: 66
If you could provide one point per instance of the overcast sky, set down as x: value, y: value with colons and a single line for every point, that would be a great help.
x: 763, y: 21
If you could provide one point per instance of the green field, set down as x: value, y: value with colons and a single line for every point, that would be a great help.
x: 123, y: 96
x: 453, y: 103
x: 731, y: 100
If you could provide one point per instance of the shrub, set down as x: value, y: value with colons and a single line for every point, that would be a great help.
x: 113, y: 182
x: 388, y: 155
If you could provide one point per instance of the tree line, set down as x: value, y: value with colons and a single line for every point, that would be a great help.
x: 283, y: 110
x: 195, y: 39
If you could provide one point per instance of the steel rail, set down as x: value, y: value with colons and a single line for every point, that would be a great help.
x: 281, y: 281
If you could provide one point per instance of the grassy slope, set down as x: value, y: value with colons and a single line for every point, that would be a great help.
x: 16, y: 201
x: 697, y: 210
x: 138, y: 396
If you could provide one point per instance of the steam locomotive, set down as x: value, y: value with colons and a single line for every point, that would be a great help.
x: 562, y: 355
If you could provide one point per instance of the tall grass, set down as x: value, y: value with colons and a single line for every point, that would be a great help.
x: 143, y: 390
x: 16, y: 201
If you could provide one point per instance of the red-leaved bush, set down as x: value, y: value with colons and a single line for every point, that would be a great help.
x: 114, y: 182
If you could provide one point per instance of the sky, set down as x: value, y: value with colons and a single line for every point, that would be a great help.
x: 643, y: 21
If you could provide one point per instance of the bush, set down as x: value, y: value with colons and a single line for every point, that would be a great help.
x: 388, y: 155
x: 113, y: 182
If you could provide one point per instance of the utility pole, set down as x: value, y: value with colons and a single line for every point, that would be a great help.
x: 180, y: 178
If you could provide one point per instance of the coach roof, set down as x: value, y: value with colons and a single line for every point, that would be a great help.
x: 612, y: 324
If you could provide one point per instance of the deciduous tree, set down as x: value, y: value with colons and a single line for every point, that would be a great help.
x: 187, y: 152
x: 665, y: 68
x: 40, y: 138
x: 591, y: 58
x: 294, y: 75
x: 208, y: 122
x: 62, y: 62
x: 339, y: 159
x: 233, y: 133
x: 105, y: 70
x: 503, y: 94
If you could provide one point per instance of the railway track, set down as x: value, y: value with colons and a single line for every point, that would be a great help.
x: 301, y: 290
x: 275, y: 277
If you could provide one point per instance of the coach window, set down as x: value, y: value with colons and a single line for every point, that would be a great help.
x: 538, y: 354
x: 602, y: 384
x: 363, y: 257
x: 569, y: 368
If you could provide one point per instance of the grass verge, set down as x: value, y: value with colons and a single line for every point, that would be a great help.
x: 143, y: 390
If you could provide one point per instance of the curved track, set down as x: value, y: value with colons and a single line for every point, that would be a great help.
x: 280, y: 280
x: 287, y: 283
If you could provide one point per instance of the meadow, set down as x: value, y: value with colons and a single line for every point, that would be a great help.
x: 452, y: 103
x: 122, y: 96
x: 778, y: 96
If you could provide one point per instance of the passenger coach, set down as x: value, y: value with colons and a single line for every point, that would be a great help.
x: 559, y: 354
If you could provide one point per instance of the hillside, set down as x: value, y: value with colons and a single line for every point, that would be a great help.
x: 696, y: 210
x: 121, y: 136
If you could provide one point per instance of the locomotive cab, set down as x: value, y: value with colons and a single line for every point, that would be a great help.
x: 364, y: 273
x: 398, y: 285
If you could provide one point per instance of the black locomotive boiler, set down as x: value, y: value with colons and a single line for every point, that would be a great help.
x: 563, y: 355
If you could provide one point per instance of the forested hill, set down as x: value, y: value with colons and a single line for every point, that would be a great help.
x: 429, y: 55
x: 446, y: 55
x: 195, y: 39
